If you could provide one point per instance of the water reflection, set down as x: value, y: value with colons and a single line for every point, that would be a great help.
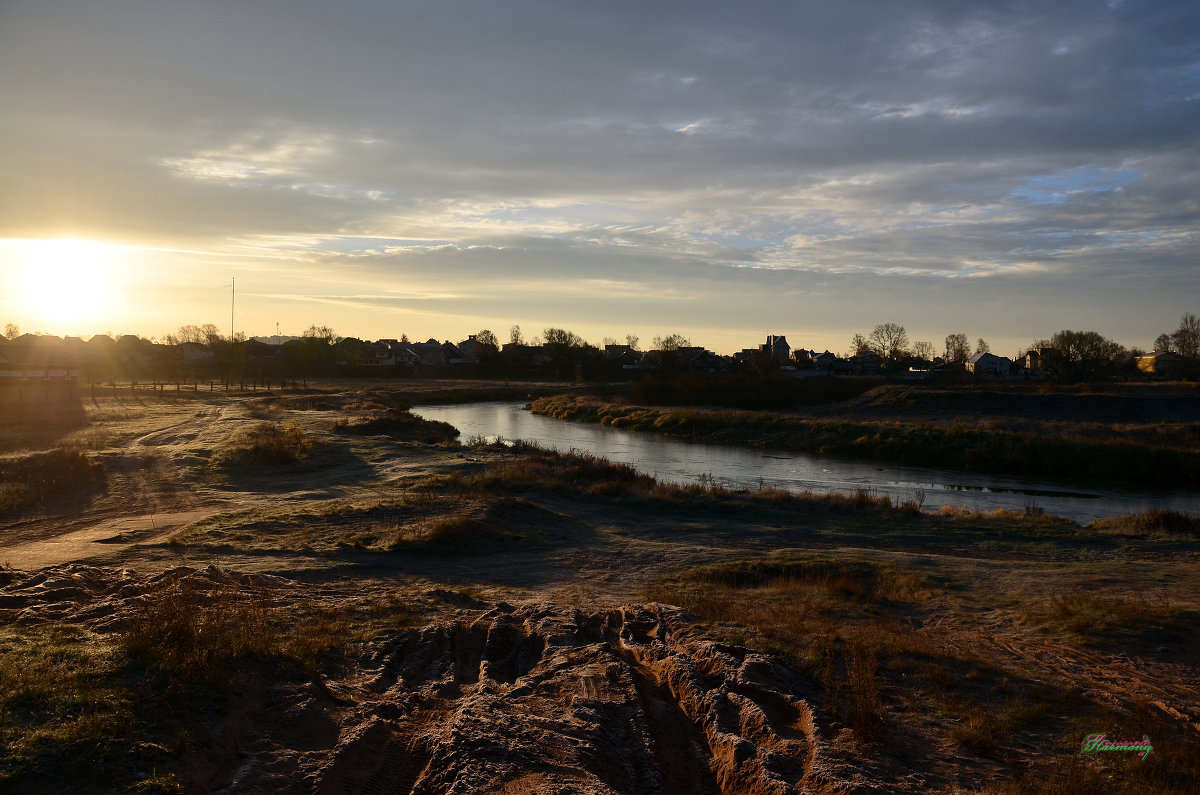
x: 744, y: 467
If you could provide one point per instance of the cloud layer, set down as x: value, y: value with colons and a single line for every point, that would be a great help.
x: 1005, y: 169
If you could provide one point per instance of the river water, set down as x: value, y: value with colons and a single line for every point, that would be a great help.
x: 747, y: 467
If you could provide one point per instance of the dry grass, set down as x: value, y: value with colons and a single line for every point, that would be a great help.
x: 265, y: 443
x: 400, y: 425
x: 189, y: 631
x: 1153, y: 522
x: 62, y: 707
x: 834, y: 619
x: 1133, y: 622
x: 34, y: 479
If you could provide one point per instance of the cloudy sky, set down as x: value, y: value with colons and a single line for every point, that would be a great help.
x: 721, y: 170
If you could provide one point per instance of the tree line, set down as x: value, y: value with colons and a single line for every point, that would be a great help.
x: 1072, y: 355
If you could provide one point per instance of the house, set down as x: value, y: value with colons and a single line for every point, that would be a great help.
x: 403, y: 354
x: 520, y: 355
x: 192, y: 352
x: 824, y: 361
x: 777, y: 348
x: 452, y: 353
x: 623, y: 356
x: 708, y: 362
x: 1040, y: 362
x: 1163, y: 364
x: 802, y: 358
x: 430, y: 352
x: 617, y: 351
x: 471, y: 349
x: 377, y: 354
x: 7, y: 370
x: 989, y: 364
x: 866, y: 363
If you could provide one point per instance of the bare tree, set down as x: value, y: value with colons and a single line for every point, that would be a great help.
x: 890, y: 342
x: 608, y: 341
x: 981, y: 346
x: 189, y: 333
x: 514, y: 336
x: 211, y: 334
x: 957, y: 349
x: 12, y: 331
x: 1162, y: 342
x: 671, y: 342
x: 923, y: 350
x: 859, y: 345
x: 632, y: 341
x: 1186, y: 338
x: 319, y: 334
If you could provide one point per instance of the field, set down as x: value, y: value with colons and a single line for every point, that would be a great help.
x: 318, y: 591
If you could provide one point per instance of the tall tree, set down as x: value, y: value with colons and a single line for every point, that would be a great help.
x: 981, y: 346
x: 890, y: 342
x: 212, y: 334
x: 514, y: 336
x: 1186, y: 338
x: 562, y: 338
x: 12, y: 331
x: 1081, y: 355
x: 923, y: 351
x: 957, y: 349
x: 859, y: 345
x: 1162, y: 342
x: 314, y: 332
x: 487, y: 339
x: 632, y: 341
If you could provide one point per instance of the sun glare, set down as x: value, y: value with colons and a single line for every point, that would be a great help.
x: 65, y: 283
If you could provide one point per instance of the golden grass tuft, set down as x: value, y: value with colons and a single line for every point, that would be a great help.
x: 266, y: 443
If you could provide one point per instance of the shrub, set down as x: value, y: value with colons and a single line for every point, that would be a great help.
x: 267, y: 443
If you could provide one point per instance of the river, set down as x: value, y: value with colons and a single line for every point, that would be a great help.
x: 748, y: 467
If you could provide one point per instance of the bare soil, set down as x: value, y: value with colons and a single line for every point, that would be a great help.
x: 571, y: 637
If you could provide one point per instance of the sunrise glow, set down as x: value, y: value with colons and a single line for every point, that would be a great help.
x: 65, y: 283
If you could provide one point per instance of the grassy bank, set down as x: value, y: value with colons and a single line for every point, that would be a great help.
x: 974, y: 448
x: 869, y: 635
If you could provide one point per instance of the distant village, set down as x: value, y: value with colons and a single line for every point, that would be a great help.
x: 201, y: 354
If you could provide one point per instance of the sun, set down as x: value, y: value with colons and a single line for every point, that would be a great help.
x: 66, y: 282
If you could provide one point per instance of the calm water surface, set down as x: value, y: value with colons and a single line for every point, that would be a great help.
x: 688, y: 462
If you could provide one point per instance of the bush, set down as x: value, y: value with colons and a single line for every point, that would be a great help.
x: 267, y: 443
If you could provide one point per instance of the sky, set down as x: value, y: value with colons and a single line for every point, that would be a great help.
x: 719, y: 170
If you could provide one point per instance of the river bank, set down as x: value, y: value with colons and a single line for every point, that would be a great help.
x: 1150, y: 455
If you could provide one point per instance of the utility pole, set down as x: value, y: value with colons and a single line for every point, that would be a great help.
x: 232, y: 326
